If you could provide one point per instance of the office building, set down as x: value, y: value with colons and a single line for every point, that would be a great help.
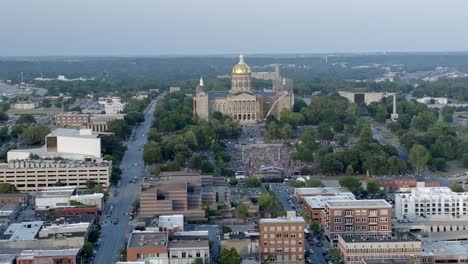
x: 70, y: 144
x: 404, y: 248
x: 35, y: 175
x: 95, y: 122
x: 357, y: 218
x: 282, y: 240
x: 184, y: 193
x: 26, y: 105
x: 430, y: 201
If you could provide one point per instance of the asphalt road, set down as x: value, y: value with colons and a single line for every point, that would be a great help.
x: 113, y: 237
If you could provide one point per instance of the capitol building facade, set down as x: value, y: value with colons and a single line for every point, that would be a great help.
x: 241, y: 102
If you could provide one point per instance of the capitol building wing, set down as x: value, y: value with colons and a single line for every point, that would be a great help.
x: 241, y: 102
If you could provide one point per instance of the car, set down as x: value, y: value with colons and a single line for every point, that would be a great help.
x: 311, y: 251
x: 319, y: 244
x: 116, y: 221
x: 330, y: 262
x: 325, y: 252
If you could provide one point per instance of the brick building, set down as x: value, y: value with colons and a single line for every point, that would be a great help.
x: 62, y: 256
x: 282, y: 240
x: 394, y: 184
x: 20, y: 198
x: 315, y: 205
x: 357, y: 218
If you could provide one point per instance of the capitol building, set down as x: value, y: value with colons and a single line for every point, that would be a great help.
x: 242, y: 102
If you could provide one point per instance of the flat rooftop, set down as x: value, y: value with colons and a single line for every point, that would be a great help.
x: 30, y: 254
x: 68, y: 132
x: 59, y: 191
x: 169, y: 221
x: 39, y: 164
x: 181, y: 243
x: 319, y: 200
x: 321, y: 190
x: 432, y: 191
x: 386, y: 239
x: 147, y: 239
x: 24, y: 230
x: 359, y: 204
x: 298, y: 219
x: 445, y: 248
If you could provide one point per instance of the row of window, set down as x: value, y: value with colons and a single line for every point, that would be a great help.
x: 283, y: 228
x: 361, y: 228
x: 360, y: 212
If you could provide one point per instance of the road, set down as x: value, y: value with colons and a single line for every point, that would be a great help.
x: 113, y: 237
x: 376, y: 134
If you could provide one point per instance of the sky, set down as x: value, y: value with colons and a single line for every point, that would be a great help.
x: 192, y: 27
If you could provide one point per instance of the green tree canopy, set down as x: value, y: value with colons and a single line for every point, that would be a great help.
x: 352, y: 183
x: 7, y: 188
x: 229, y: 256
x: 419, y: 156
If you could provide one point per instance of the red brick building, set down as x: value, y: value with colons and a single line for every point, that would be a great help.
x: 62, y: 256
x: 78, y: 210
x: 394, y: 184
x: 282, y: 240
x: 357, y: 218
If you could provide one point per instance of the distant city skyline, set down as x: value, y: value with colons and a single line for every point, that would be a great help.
x: 183, y: 27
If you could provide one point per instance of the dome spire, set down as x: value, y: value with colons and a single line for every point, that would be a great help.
x: 241, y: 58
x: 201, y: 81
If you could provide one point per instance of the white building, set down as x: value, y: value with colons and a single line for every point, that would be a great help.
x: 429, y: 201
x: 171, y: 222
x: 58, y: 196
x: 114, y: 107
x: 26, y: 105
x: 433, y: 100
x: 72, y: 144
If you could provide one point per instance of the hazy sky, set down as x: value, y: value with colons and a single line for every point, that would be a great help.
x: 155, y: 27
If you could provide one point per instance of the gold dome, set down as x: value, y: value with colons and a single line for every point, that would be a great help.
x: 241, y: 68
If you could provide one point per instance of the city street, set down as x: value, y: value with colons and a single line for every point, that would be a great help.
x: 113, y: 237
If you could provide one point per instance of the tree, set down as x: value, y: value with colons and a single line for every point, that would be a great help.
x: 3, y: 117
x: 35, y: 135
x: 252, y: 182
x: 152, y: 153
x: 349, y: 170
x: 352, y: 183
x: 242, y: 211
x: 312, y: 183
x: 419, y: 156
x: 331, y: 164
x: 447, y: 114
x: 206, y: 167
x: 314, y: 227
x: 94, y: 235
x: 373, y: 186
x: 456, y: 187
x: 233, y: 181
x: 335, y: 255
x: 87, y: 249
x: 198, y: 261
x: 26, y: 119
x: 229, y: 256
x: 4, y: 134
x: 8, y: 188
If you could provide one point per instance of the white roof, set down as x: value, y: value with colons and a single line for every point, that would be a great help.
x: 358, y: 204
x: 433, y: 192
x: 322, y: 190
x: 58, y: 191
x: 445, y: 248
x: 68, y: 132
x: 282, y: 220
x: 29, y: 254
x: 170, y: 221
x: 192, y: 233
x: 24, y: 230
x: 319, y: 200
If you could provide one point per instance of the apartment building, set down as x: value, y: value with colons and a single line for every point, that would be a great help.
x: 430, y: 201
x: 404, y: 248
x: 184, y: 193
x: 357, y: 218
x: 35, y: 175
x: 282, y: 240
x: 315, y: 205
x: 300, y: 193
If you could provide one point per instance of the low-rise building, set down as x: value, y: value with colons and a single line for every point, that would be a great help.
x: 429, y: 201
x: 300, y: 193
x: 65, y: 256
x: 162, y: 247
x: 171, y: 223
x: 8, y: 212
x: 26, y: 105
x: 20, y: 198
x: 35, y: 175
x: 282, y: 240
x: 404, y: 248
x: 395, y: 184
x: 357, y: 218
x: 444, y: 252
x: 60, y: 196
x: 72, y: 119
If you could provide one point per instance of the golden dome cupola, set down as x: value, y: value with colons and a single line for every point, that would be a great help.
x: 241, y: 68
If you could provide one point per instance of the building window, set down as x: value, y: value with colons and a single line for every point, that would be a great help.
x: 337, y: 220
x: 383, y: 211
x: 337, y: 212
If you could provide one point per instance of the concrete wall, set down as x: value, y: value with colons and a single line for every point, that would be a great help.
x: 86, y: 146
x: 51, y: 201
